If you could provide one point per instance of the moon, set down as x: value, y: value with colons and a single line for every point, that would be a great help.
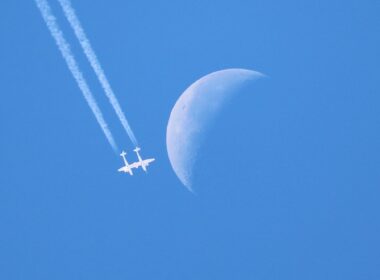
x: 194, y: 112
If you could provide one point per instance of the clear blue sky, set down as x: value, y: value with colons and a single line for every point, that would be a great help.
x: 293, y: 189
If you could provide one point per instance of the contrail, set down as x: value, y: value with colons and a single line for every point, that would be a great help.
x: 95, y: 64
x: 64, y: 47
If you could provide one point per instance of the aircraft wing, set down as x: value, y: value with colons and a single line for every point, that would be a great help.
x: 129, y: 167
x: 147, y: 161
x: 135, y: 164
x: 123, y: 169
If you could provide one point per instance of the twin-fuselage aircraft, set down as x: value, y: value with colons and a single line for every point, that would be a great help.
x: 127, y: 168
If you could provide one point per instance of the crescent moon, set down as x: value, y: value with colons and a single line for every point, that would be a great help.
x: 193, y: 113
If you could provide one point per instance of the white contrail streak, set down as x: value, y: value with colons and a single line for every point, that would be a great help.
x: 95, y: 64
x: 64, y: 47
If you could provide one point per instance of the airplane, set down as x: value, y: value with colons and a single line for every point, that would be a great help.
x: 143, y: 163
x: 128, y: 167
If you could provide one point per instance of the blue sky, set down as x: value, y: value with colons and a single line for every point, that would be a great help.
x: 289, y: 184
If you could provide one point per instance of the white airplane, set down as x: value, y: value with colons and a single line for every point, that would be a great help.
x: 128, y: 167
x: 143, y: 163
